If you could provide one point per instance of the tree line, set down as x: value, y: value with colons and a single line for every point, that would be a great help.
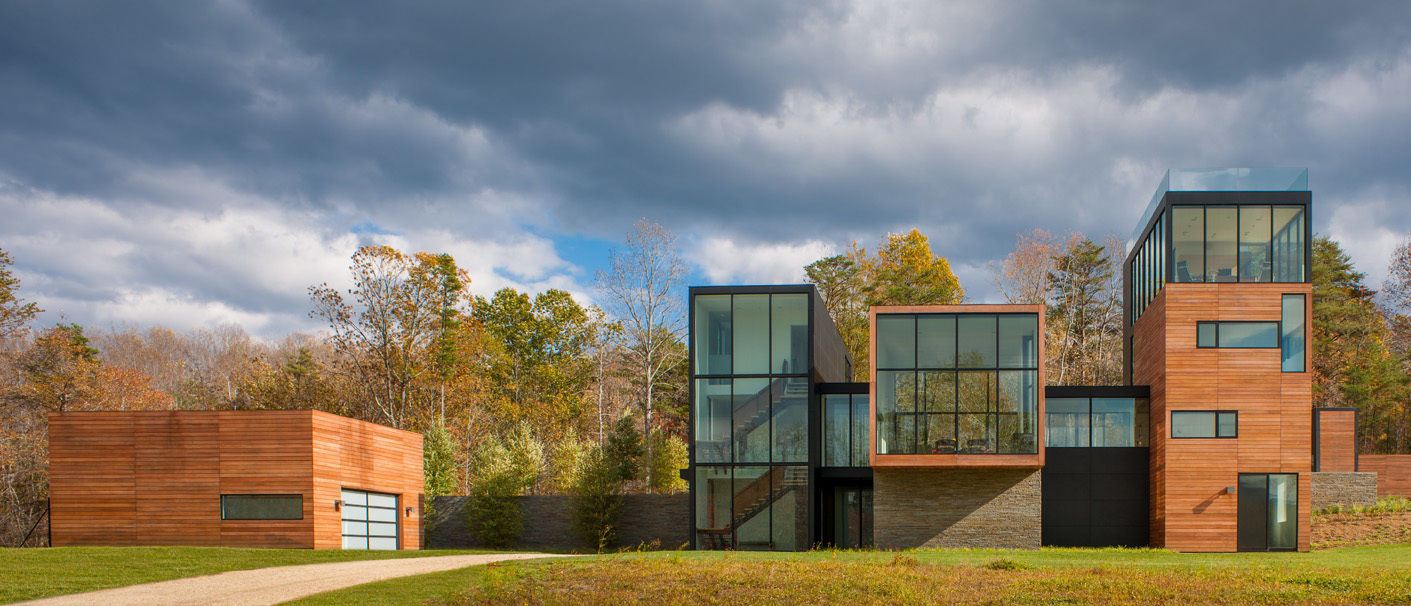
x: 519, y: 393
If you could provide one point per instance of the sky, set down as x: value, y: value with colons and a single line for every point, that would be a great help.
x: 192, y: 164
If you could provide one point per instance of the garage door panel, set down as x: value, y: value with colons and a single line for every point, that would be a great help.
x: 369, y: 520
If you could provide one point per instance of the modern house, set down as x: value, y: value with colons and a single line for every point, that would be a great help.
x: 956, y: 441
x: 286, y: 478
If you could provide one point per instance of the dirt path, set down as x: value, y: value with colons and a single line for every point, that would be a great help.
x: 275, y: 585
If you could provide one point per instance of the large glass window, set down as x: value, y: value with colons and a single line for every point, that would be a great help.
x: 751, y: 419
x: 1255, y: 265
x: 896, y: 341
x: 713, y: 345
x: 1292, y: 342
x: 1221, y: 227
x: 261, y: 507
x: 789, y: 334
x: 972, y: 390
x: 789, y: 420
x: 713, y: 411
x: 837, y: 423
x: 1268, y: 512
x: 752, y: 507
x: 751, y: 334
x: 1096, y: 422
x: 1288, y: 247
x: 1204, y: 424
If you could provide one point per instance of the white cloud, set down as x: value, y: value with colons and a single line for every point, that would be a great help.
x: 726, y: 261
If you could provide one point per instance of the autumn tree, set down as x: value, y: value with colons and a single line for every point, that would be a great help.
x: 15, y: 314
x: 1084, y: 317
x: 1023, y: 277
x: 388, y: 330
x: 536, y: 366
x: 904, y: 271
x: 1352, y: 364
x: 641, y: 292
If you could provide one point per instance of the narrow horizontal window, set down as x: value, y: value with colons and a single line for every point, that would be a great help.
x: 261, y: 507
x: 1237, y: 335
x: 1204, y: 424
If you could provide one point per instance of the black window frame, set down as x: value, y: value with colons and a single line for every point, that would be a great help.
x: 1216, y: 418
x: 1278, y: 333
x: 992, y: 415
x: 225, y: 517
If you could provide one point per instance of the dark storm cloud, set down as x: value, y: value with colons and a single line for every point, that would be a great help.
x: 491, y: 125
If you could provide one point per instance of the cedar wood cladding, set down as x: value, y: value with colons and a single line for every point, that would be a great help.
x: 1189, y: 510
x: 155, y: 478
x: 1393, y: 473
x: 1337, y: 439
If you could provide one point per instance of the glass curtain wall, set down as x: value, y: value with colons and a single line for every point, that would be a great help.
x: 957, y: 384
x: 845, y: 429
x: 1219, y: 243
x: 750, y: 412
x: 1096, y: 422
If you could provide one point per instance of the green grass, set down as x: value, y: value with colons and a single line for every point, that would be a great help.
x: 33, y: 573
x: 1367, y: 575
x: 1384, y: 505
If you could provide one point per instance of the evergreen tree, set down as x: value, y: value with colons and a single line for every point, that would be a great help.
x: 624, y: 449
x: 597, y: 499
x: 1084, y: 319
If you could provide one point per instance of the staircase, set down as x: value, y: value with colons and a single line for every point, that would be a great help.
x: 753, y: 499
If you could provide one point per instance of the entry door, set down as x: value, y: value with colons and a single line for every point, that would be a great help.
x: 370, y: 520
x: 1268, y: 512
x: 852, y: 517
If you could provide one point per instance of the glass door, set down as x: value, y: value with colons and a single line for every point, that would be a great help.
x: 1268, y: 512
x: 852, y: 517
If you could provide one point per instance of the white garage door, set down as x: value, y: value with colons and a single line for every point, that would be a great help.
x: 369, y: 520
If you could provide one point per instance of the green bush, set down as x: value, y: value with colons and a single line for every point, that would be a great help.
x: 669, y: 457
x: 492, y: 507
x: 439, y: 466
x: 624, y: 449
x: 597, y: 500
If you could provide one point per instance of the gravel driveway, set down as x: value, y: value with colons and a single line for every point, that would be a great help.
x: 278, y: 584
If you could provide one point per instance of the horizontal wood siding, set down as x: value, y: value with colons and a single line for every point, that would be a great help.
x: 156, y: 478
x: 1190, y: 509
x: 1337, y: 439
x: 1393, y: 473
x: 178, y: 479
x: 92, y: 479
x: 363, y: 456
x: 267, y: 452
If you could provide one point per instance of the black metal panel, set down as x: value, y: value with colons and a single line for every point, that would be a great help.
x: 1095, y: 497
x: 1097, y: 391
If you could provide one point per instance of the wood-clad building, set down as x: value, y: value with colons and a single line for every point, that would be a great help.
x: 301, y: 479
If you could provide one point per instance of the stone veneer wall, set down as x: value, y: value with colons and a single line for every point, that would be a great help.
x: 957, y: 508
x: 1346, y: 488
x: 663, y: 520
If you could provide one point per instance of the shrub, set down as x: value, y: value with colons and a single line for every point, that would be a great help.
x: 597, y: 500
x: 669, y: 457
x: 439, y: 466
x: 526, y: 456
x: 565, y: 463
x: 492, y: 509
x: 624, y: 449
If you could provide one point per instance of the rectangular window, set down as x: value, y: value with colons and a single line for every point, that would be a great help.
x: 751, y: 339
x: 788, y: 317
x: 1221, y: 229
x: 1204, y: 424
x: 1288, y: 244
x: 261, y: 507
x: 1237, y: 335
x: 925, y: 406
x: 1292, y: 342
x: 1255, y: 265
x: 713, y: 334
x: 1188, y: 240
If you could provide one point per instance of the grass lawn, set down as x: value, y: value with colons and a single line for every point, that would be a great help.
x: 1357, y: 575
x: 32, y: 573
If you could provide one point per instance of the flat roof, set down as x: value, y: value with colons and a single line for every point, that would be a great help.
x: 1220, y: 179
